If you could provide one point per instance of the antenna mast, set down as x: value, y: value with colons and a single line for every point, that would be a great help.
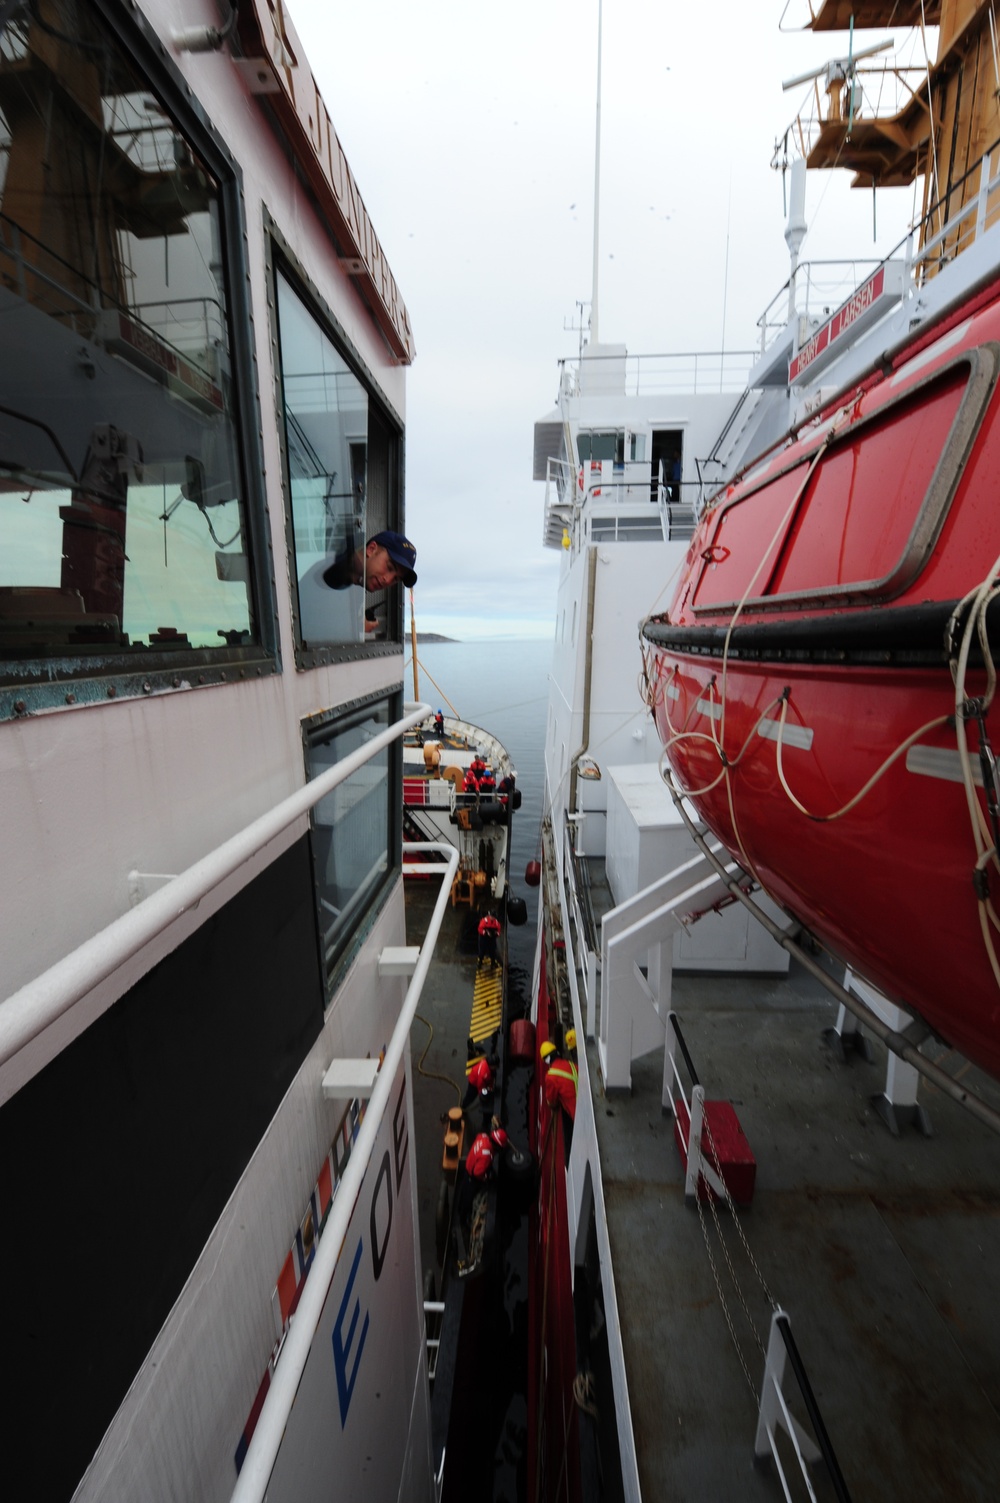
x: 594, y: 337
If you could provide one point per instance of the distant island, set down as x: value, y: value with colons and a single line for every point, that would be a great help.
x: 433, y: 636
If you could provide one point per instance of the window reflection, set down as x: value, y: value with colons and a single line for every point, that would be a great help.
x: 350, y: 827
x: 121, y: 505
x: 326, y: 436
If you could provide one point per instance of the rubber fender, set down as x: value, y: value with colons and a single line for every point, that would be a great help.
x: 518, y: 1163
x: 517, y: 912
x: 522, y: 1039
x: 533, y: 873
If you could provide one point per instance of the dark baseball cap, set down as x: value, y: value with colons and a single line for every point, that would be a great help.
x: 402, y: 553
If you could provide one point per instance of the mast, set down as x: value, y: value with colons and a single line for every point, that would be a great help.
x: 594, y: 337
x: 413, y: 649
x: 947, y: 116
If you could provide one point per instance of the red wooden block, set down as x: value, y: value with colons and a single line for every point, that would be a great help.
x: 737, y: 1166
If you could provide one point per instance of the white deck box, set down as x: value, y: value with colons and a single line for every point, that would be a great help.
x: 646, y: 838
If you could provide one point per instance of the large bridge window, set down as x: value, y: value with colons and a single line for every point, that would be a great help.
x: 123, y: 528
x: 342, y: 459
x: 356, y: 828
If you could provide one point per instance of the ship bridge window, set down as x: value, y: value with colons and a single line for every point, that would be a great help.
x: 124, y: 518
x: 601, y: 446
x: 342, y: 457
x: 644, y: 528
x: 355, y: 828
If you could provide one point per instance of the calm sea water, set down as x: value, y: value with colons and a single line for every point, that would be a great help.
x: 502, y: 686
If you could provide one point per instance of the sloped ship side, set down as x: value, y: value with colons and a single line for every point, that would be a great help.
x: 823, y: 682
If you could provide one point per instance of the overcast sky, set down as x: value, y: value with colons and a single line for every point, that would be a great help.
x: 470, y: 131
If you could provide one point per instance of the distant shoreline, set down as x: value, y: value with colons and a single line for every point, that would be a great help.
x: 433, y: 636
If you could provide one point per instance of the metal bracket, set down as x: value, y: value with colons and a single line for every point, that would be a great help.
x: 350, y: 1079
x: 399, y: 960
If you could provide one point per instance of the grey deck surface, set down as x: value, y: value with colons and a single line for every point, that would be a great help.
x: 884, y: 1251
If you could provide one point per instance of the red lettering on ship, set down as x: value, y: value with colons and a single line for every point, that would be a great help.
x: 859, y: 302
x: 146, y: 343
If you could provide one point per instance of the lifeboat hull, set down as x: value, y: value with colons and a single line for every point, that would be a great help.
x: 804, y: 681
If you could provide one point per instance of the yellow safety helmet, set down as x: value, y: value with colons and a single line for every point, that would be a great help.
x: 571, y: 1038
x: 547, y: 1049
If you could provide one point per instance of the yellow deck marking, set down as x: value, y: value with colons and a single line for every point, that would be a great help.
x: 487, y: 1003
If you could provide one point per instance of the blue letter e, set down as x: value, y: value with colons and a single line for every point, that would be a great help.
x: 342, y: 1346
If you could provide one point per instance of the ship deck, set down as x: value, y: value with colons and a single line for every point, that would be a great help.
x: 884, y: 1251
x: 438, y: 1048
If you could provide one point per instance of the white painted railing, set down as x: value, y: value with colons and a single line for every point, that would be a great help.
x: 828, y: 284
x: 252, y: 1483
x: 433, y: 1308
x: 41, y: 1002
x: 775, y: 1415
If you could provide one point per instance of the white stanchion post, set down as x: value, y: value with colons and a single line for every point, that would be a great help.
x: 694, y: 1145
x: 774, y: 1411
x: 669, y: 1065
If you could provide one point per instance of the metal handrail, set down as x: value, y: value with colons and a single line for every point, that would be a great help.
x: 251, y: 1485
x: 812, y: 1408
x: 38, y: 1004
x: 659, y: 372
x: 916, y: 262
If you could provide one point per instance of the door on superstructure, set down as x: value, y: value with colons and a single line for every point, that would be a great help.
x: 666, y: 456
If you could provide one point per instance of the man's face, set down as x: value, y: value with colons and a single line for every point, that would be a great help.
x: 380, y: 570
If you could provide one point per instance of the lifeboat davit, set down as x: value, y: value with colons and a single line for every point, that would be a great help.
x: 823, y: 682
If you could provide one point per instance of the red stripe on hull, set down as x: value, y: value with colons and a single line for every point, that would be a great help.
x: 553, y: 1437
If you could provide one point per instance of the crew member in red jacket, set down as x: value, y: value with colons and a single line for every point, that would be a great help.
x: 561, y: 1083
x: 489, y: 933
x: 481, y: 1158
x: 481, y: 1081
x: 481, y: 1165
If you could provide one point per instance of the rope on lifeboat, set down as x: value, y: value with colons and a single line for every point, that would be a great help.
x: 966, y: 625
x: 984, y: 835
x: 904, y: 746
x: 718, y: 739
x: 832, y: 432
x: 959, y: 638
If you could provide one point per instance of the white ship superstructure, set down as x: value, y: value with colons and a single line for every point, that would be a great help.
x: 658, y: 989
x: 208, y: 1183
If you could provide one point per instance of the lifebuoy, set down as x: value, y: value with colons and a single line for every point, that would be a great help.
x: 579, y: 478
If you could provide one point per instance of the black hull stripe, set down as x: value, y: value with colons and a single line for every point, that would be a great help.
x: 903, y: 636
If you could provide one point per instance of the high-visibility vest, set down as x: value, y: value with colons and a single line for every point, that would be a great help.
x: 561, y: 1084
